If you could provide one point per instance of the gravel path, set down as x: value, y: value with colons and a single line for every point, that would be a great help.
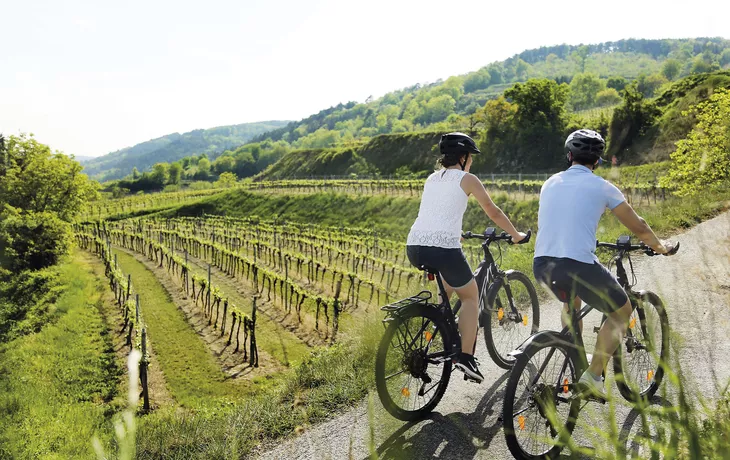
x: 695, y: 286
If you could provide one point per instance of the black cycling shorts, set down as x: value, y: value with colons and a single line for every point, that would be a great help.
x: 449, y: 262
x: 593, y: 283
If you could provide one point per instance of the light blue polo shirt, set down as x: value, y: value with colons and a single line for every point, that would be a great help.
x: 571, y: 204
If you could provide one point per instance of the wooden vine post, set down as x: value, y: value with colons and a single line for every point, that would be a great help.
x: 143, y: 365
x: 336, y: 307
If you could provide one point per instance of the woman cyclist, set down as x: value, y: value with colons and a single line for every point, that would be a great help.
x: 435, y: 237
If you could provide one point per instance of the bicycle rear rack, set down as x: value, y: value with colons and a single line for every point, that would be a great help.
x: 420, y: 298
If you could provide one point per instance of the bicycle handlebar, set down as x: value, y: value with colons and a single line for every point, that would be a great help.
x: 490, y: 234
x: 636, y: 247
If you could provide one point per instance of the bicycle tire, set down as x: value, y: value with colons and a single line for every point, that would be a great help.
x: 490, y: 318
x: 508, y: 408
x: 430, y: 313
x: 657, y: 371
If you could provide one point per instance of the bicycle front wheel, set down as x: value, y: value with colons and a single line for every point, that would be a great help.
x: 639, y: 362
x: 511, y: 314
x: 540, y: 407
x: 413, y: 365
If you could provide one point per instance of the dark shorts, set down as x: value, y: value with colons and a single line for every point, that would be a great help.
x: 593, y: 283
x: 450, y: 263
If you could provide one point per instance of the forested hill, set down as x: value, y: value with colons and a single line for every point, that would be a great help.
x: 445, y: 104
x: 173, y: 147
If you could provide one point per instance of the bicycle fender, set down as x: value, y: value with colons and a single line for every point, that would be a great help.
x: 542, y: 338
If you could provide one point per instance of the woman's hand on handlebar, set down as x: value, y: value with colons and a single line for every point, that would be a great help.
x: 667, y: 248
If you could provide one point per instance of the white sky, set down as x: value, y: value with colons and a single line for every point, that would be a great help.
x: 90, y: 77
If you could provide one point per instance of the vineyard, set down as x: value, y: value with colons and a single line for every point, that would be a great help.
x: 311, y: 281
x: 638, y: 190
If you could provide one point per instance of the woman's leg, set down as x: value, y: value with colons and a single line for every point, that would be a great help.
x: 468, y: 316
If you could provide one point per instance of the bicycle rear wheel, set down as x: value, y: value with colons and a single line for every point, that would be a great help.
x: 540, y: 408
x: 508, y: 324
x: 413, y: 364
x: 639, y: 362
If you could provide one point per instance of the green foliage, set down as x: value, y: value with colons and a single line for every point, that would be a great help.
x: 226, y: 180
x: 533, y: 134
x: 175, y: 173
x: 26, y: 301
x: 32, y: 240
x: 630, y: 121
x: 33, y: 178
x: 584, y: 89
x: 173, y: 147
x: 671, y: 68
x: 649, y: 84
x: 702, y: 161
x: 607, y: 97
x: 617, y: 83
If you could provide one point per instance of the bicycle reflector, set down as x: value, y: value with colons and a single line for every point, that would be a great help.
x: 405, y: 392
x: 521, y: 422
x: 649, y: 375
x: 565, y: 385
x: 524, y: 320
x: 632, y: 323
x: 431, y: 277
x: 427, y: 335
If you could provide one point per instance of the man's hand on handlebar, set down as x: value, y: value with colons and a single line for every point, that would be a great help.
x: 520, y: 236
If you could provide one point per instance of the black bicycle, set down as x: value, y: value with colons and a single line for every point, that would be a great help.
x: 542, y: 400
x: 414, y: 360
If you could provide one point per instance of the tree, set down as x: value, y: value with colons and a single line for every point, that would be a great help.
x: 725, y: 58
x: 608, y: 96
x: 671, y: 68
x: 617, y: 83
x: 226, y: 180
x: 225, y: 163
x: 203, y: 168
x: 32, y: 240
x: 702, y: 160
x: 649, y: 84
x: 533, y: 138
x: 160, y: 174
x: 477, y: 80
x: 135, y: 173
x: 580, y: 55
x: 631, y: 120
x: 701, y: 64
x: 583, y: 90
x: 175, y: 173
x: 34, y: 179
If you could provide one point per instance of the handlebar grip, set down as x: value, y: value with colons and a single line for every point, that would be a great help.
x: 526, y: 239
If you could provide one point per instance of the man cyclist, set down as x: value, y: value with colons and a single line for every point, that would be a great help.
x: 435, y: 237
x: 571, y: 204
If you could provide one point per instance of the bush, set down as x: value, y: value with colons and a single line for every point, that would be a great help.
x: 32, y: 240
x: 702, y: 160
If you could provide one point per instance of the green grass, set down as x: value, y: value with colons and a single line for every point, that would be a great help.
x: 56, y: 384
x: 330, y: 381
x: 193, y: 376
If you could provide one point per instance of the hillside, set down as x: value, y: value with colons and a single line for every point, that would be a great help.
x: 175, y: 146
x: 429, y: 107
x: 404, y: 154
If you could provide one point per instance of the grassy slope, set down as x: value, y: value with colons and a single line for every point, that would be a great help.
x: 193, y: 376
x: 55, y: 384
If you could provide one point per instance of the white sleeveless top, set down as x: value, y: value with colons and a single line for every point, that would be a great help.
x: 443, y: 204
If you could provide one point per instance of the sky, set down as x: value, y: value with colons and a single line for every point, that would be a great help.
x: 90, y: 77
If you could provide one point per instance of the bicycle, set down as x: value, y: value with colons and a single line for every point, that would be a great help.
x: 412, y: 374
x: 549, y: 404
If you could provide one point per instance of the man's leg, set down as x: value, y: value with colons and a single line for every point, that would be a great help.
x: 609, y: 338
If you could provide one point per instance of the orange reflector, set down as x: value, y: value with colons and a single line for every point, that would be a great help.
x: 632, y: 323
x: 428, y: 336
x: 524, y: 320
x: 565, y: 386
x: 649, y: 375
x: 500, y: 314
x: 405, y: 392
x: 521, y: 422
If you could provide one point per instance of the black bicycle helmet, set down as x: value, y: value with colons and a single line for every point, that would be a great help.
x: 457, y: 144
x: 585, y: 144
